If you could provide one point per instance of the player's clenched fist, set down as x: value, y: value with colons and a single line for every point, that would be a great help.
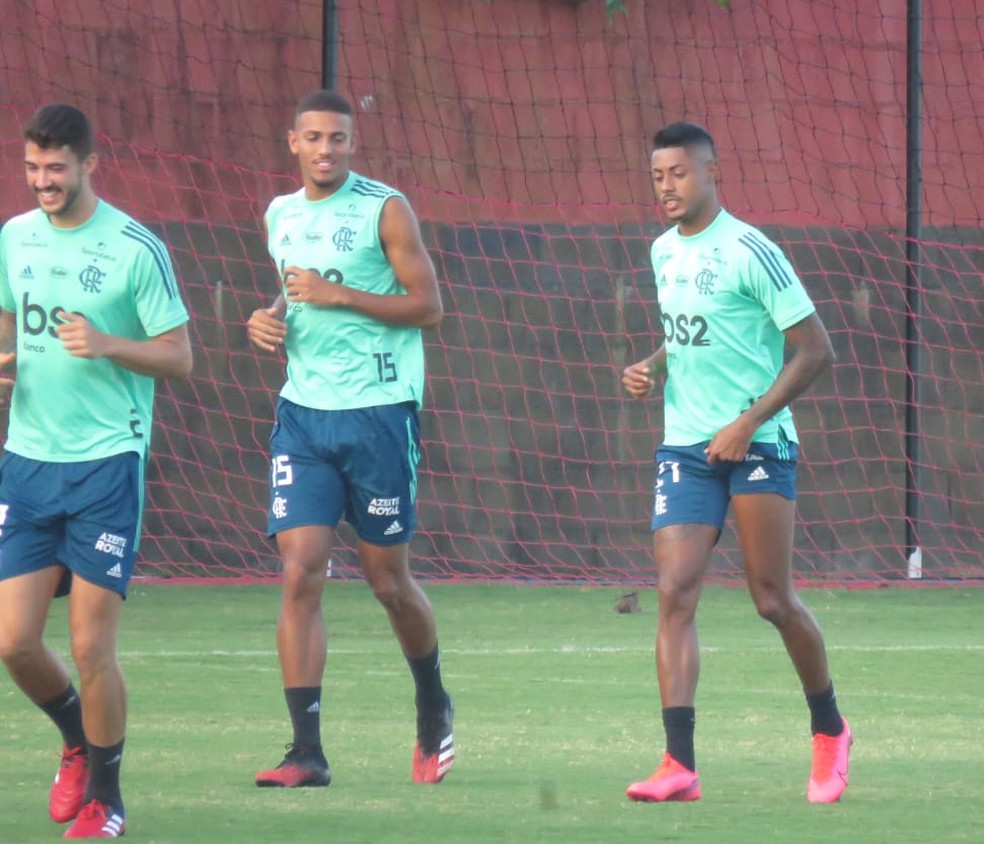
x: 637, y: 379
x: 79, y: 338
x: 265, y: 328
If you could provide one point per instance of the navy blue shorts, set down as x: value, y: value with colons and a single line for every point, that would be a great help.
x: 691, y: 491
x: 84, y: 515
x: 358, y: 463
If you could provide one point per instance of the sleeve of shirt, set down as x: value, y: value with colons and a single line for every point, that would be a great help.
x: 772, y: 280
x: 155, y: 284
x: 6, y: 297
x: 270, y: 221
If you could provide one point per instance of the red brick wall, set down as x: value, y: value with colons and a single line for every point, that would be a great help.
x: 530, y: 109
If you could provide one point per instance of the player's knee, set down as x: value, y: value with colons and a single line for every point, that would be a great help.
x: 678, y: 597
x: 91, y: 654
x: 303, y: 579
x: 774, y: 606
x: 392, y: 592
x: 387, y: 592
x: 17, y: 651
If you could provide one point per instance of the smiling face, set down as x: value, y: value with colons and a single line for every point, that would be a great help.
x: 685, y: 185
x: 60, y: 182
x: 323, y: 142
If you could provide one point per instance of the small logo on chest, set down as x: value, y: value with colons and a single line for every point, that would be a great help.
x: 92, y: 279
x: 343, y: 239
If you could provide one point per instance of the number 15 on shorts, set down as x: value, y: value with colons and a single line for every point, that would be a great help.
x: 281, y: 472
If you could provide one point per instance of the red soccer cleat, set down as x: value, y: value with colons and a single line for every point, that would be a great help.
x: 97, y: 820
x: 433, y: 754
x: 299, y: 769
x: 71, y: 781
x: 828, y: 777
x: 671, y: 782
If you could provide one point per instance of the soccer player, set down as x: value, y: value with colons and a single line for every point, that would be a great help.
x: 92, y: 313
x: 729, y: 302
x: 357, y: 288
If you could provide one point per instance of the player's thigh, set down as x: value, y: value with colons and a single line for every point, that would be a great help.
x: 690, y: 501
x: 765, y: 524
x: 385, y: 566
x: 307, y: 488
x: 104, y: 503
x: 682, y: 554
x: 380, y: 471
x: 305, y: 549
x: 32, y: 515
x: 94, y: 620
x: 688, y: 490
x: 24, y: 604
x: 763, y: 498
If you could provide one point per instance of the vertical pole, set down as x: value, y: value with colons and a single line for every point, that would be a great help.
x: 913, y: 290
x: 329, y: 44
x: 620, y: 359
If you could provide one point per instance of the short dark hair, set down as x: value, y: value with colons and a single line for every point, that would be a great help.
x: 323, y: 100
x: 59, y: 125
x: 683, y: 135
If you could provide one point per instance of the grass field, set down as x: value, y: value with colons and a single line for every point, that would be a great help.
x: 557, y: 711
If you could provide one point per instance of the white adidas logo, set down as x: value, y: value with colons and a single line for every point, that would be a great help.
x: 314, y: 707
x: 759, y: 474
x: 114, y: 826
x: 445, y: 757
x: 396, y: 527
x: 115, y: 571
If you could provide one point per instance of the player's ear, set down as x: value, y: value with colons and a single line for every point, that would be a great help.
x: 89, y: 163
x: 713, y: 171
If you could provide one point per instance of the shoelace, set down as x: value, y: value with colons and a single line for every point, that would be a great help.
x: 91, y: 810
x: 76, y: 760
x: 826, y: 754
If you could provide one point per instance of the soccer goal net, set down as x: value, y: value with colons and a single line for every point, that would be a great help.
x: 520, y: 131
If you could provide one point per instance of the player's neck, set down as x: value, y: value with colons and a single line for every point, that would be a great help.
x: 700, y: 221
x: 314, y: 192
x: 80, y: 213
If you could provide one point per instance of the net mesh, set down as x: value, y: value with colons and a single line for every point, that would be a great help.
x: 519, y: 130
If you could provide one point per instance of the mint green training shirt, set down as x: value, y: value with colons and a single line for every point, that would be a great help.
x: 725, y: 296
x: 338, y: 359
x: 117, y: 274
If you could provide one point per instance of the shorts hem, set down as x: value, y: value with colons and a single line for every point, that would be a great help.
x: 281, y: 528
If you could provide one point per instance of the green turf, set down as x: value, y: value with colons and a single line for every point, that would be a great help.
x: 556, y: 713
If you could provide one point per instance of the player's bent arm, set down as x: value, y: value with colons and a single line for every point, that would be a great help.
x: 8, y: 331
x: 167, y: 355
x: 656, y: 362
x: 8, y: 353
x: 266, y: 328
x: 813, y: 354
x: 638, y: 379
x: 421, y: 307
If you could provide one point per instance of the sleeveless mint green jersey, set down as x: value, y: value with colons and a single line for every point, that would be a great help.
x: 338, y: 359
x: 119, y: 276
x: 725, y: 297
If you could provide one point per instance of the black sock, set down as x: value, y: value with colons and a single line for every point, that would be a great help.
x: 678, y: 721
x: 824, y: 716
x: 66, y: 711
x: 426, y: 672
x: 104, y: 775
x: 304, y: 706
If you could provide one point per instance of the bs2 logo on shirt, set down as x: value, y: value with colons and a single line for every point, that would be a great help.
x: 35, y: 320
